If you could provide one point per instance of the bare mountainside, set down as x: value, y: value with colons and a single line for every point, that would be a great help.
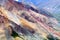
x: 19, y: 21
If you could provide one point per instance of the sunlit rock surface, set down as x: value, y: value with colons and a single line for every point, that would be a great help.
x: 19, y: 21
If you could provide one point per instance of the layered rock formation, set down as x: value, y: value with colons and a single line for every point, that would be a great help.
x: 29, y: 23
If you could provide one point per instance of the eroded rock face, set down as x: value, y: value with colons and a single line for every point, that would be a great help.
x: 28, y: 24
x: 5, y: 31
